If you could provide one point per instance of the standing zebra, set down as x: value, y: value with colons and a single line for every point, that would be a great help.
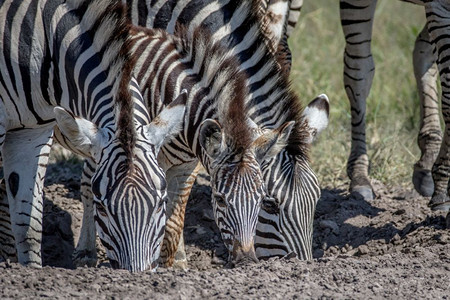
x: 286, y: 221
x: 69, y: 63
x: 357, y: 20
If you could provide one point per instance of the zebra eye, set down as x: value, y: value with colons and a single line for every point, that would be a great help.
x: 220, y: 200
x: 161, y: 205
x: 101, y: 210
x: 270, y: 205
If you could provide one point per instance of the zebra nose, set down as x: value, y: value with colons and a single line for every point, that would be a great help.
x: 243, y: 253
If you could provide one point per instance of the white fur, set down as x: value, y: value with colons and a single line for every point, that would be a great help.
x: 170, y: 123
x: 317, y: 119
x: 83, y: 134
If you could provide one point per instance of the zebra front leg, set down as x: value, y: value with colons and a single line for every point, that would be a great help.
x: 180, y: 180
x: 7, y: 247
x: 430, y: 136
x: 85, y: 254
x: 25, y: 157
x: 359, y: 69
x: 438, y: 23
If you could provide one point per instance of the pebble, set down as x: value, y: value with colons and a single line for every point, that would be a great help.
x: 330, y: 224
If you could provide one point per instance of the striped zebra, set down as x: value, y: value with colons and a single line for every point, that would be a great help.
x: 357, y: 21
x: 286, y: 220
x: 68, y: 63
x: 217, y: 132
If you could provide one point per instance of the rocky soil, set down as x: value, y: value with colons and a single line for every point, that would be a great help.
x: 393, y: 247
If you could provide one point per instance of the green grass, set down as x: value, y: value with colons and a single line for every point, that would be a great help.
x: 317, y: 46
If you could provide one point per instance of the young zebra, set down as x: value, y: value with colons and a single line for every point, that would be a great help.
x: 216, y: 132
x: 285, y: 223
x: 69, y: 63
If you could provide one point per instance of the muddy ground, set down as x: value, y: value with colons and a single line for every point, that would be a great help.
x: 393, y: 247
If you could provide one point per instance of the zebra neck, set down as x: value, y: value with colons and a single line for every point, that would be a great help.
x: 87, y: 34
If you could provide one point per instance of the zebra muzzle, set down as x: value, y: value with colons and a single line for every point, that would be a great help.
x: 243, y: 254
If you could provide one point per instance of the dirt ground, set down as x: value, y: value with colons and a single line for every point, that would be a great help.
x: 393, y: 247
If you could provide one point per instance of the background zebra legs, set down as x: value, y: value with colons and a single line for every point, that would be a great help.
x: 430, y: 135
x: 24, y: 171
x: 180, y: 179
x: 359, y: 69
x: 438, y: 21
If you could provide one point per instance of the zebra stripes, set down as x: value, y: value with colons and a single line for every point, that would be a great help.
x: 438, y: 23
x: 217, y: 131
x: 237, y: 26
x: 68, y: 63
x: 359, y: 68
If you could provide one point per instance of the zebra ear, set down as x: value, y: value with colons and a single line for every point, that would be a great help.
x: 210, y: 138
x: 316, y: 115
x: 81, y: 133
x: 168, y: 123
x: 272, y: 141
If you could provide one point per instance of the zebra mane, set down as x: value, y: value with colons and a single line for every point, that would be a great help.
x: 108, y: 22
x: 288, y: 106
x: 227, y: 83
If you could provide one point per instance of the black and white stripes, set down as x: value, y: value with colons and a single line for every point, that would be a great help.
x: 68, y: 61
x: 271, y: 103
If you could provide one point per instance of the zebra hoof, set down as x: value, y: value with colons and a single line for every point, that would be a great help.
x: 423, y: 182
x: 180, y: 264
x: 84, y: 258
x: 439, y: 202
x: 364, y: 191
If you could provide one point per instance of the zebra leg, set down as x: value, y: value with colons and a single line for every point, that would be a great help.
x: 180, y: 180
x: 430, y: 136
x: 359, y: 68
x: 25, y: 156
x: 7, y: 247
x: 438, y: 22
x: 85, y: 254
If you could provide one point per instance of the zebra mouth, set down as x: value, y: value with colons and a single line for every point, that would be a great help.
x: 154, y: 265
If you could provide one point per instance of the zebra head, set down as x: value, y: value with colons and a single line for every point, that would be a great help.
x: 237, y: 184
x: 286, y: 219
x: 128, y: 186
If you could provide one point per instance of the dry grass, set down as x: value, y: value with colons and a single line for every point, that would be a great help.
x: 393, y: 104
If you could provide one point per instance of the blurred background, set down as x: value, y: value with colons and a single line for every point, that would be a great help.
x: 393, y: 110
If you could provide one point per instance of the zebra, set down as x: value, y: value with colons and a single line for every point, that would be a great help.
x: 68, y: 63
x: 357, y: 20
x: 216, y: 132
x: 285, y: 222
